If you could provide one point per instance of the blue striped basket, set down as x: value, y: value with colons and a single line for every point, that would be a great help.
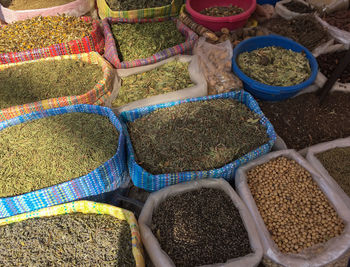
x: 143, y: 179
x: 105, y: 178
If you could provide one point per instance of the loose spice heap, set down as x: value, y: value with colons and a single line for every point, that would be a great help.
x: 37, y: 4
x: 303, y: 217
x: 49, y: 151
x: 239, y: 35
x: 41, y: 32
x: 298, y: 7
x: 142, y: 40
x: 195, y: 136
x: 222, y: 11
x: 302, y: 125
x: 336, y: 162
x: 41, y: 80
x: 72, y: 239
x: 339, y: 19
x: 200, y: 227
x: 169, y: 77
x: 136, y: 4
x: 275, y: 66
x: 305, y: 30
x: 328, y: 63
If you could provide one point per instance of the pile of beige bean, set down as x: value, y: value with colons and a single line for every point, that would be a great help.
x: 294, y: 209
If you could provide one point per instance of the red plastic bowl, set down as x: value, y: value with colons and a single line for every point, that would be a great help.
x: 193, y: 7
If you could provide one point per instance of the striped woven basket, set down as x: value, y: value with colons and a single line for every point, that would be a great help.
x: 111, y: 53
x: 93, y: 42
x: 98, y: 95
x: 167, y: 11
x: 150, y: 182
x: 107, y: 177
x: 89, y: 207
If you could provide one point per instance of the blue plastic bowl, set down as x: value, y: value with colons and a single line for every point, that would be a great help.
x: 269, y: 92
x: 263, y: 2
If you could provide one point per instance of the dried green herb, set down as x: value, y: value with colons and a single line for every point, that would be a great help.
x: 336, y: 162
x: 195, y: 136
x: 305, y: 30
x: 222, y: 11
x: 40, y: 32
x: 275, y: 66
x: 170, y: 77
x: 67, y: 240
x: 46, y: 79
x: 25, y: 4
x: 200, y: 227
x: 298, y: 7
x: 136, y: 4
x: 142, y: 40
x: 52, y: 150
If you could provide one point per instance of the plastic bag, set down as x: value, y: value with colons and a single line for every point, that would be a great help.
x: 76, y: 8
x: 311, y: 157
x: 339, y: 35
x: 215, y: 62
x: 89, y: 207
x: 161, y: 259
x: 284, y: 12
x: 333, y: 249
x: 329, y: 6
x: 199, y: 89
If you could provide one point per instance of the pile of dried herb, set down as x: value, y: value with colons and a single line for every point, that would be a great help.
x: 222, y: 11
x: 49, y: 151
x: 328, y: 63
x: 41, y: 80
x: 200, y: 227
x: 298, y: 7
x: 142, y: 40
x: 169, y: 77
x: 67, y: 240
x: 136, y: 4
x: 275, y: 66
x: 302, y: 122
x: 305, y: 30
x: 40, y: 32
x: 339, y: 19
x: 30, y: 4
x: 336, y: 162
x: 195, y: 136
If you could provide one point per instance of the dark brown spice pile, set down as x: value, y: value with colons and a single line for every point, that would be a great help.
x: 336, y: 162
x: 302, y: 122
x: 305, y: 30
x: 328, y: 63
x: 195, y: 136
x: 200, y: 227
x: 67, y: 240
x: 339, y: 19
x: 298, y: 7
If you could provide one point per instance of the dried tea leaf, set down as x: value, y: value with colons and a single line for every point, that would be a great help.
x: 195, y: 136
x: 52, y: 150
x: 275, y: 66
x: 142, y: 40
x: 47, y: 79
x: 74, y: 239
x: 136, y: 4
x: 30, y: 4
x: 167, y: 78
x: 39, y: 32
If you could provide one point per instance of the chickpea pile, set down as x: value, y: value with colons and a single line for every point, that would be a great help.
x: 293, y: 207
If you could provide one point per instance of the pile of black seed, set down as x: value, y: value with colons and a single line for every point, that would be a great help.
x: 200, y: 227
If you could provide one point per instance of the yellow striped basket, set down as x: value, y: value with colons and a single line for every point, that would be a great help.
x: 94, y: 96
x: 92, y: 208
x: 167, y: 11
